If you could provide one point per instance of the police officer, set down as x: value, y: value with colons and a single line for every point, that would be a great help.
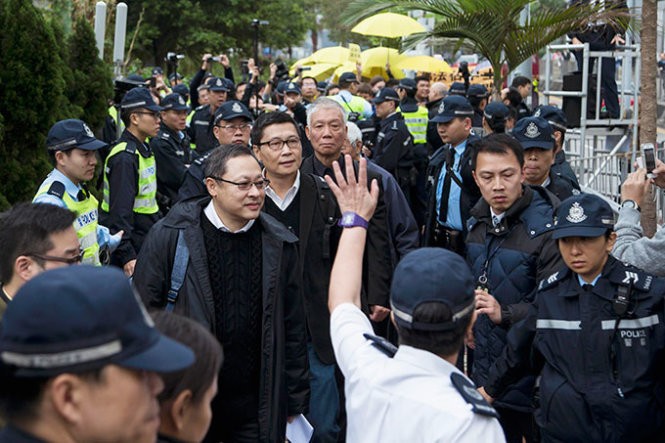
x: 356, y: 108
x: 72, y: 148
x: 412, y: 393
x: 394, y: 144
x: 457, y: 88
x: 232, y: 125
x: 173, y: 154
x: 596, y: 336
x: 535, y: 136
x: 494, y: 118
x: 559, y: 123
x: 201, y: 125
x: 130, y: 179
x: 477, y: 95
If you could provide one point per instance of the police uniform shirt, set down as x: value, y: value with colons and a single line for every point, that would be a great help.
x: 454, y: 220
x: 407, y: 398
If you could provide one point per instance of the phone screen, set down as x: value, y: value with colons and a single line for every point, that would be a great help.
x: 649, y: 157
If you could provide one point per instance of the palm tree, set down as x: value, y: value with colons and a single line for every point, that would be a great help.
x: 493, y: 26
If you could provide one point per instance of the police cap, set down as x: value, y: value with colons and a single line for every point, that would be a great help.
x: 418, y: 279
x: 496, y: 111
x: 583, y: 215
x: 230, y: 110
x: 139, y: 98
x: 385, y: 94
x: 292, y: 88
x: 347, y: 77
x: 407, y: 83
x: 457, y: 88
x: 174, y: 102
x: 533, y: 132
x: 81, y: 318
x: 554, y: 116
x: 72, y: 133
x: 477, y: 91
x: 182, y: 89
x: 451, y: 107
x: 216, y: 84
x: 156, y: 71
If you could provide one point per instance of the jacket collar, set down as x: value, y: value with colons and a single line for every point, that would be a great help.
x: 481, y: 211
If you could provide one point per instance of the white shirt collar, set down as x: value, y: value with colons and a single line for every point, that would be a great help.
x: 212, y: 216
x: 290, y: 195
x: 498, y: 216
x: 547, y: 182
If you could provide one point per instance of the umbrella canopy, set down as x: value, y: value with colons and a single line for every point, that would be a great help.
x: 422, y: 63
x: 374, y: 62
x: 341, y: 69
x: 320, y: 71
x: 332, y: 54
x: 389, y: 25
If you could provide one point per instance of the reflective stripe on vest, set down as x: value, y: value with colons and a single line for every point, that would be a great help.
x: 417, y: 124
x: 85, y: 224
x: 145, y: 201
x: 356, y: 104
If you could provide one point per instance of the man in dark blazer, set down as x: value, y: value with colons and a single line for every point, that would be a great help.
x: 326, y: 130
x: 306, y: 206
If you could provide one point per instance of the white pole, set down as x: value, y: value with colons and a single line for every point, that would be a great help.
x: 100, y: 27
x: 119, y: 41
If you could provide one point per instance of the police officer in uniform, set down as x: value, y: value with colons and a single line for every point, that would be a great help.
x: 356, y: 108
x: 72, y: 148
x: 130, y: 179
x: 412, y: 393
x: 394, y: 144
x: 535, y: 136
x: 201, y: 125
x: 477, y: 95
x: 559, y: 123
x: 173, y: 154
x: 494, y: 118
x: 596, y: 336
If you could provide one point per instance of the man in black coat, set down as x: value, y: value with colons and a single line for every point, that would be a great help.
x: 306, y: 206
x: 233, y: 273
x: 327, y: 131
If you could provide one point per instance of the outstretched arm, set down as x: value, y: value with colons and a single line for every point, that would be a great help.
x: 352, y: 196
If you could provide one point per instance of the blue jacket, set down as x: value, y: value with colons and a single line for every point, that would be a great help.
x: 514, y: 256
x: 601, y: 377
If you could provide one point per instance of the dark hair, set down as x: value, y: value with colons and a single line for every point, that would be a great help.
x: 207, y: 351
x: 20, y: 396
x: 376, y: 79
x: 268, y: 119
x: 497, y: 125
x: 125, y: 116
x: 302, y: 81
x: 498, y: 144
x: 520, y: 80
x: 26, y: 229
x: 216, y: 162
x: 392, y: 83
x: 422, y: 78
x: 331, y: 86
x: 442, y: 343
x: 365, y: 88
x: 514, y: 97
x: 476, y: 101
x: 51, y: 154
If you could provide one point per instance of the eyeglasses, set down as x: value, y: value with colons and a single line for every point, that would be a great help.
x: 233, y: 128
x: 276, y: 144
x: 152, y: 114
x: 66, y: 260
x: 244, y: 186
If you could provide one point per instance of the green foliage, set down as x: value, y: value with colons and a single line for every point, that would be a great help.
x: 492, y: 26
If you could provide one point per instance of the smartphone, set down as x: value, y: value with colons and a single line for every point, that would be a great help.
x: 649, y: 154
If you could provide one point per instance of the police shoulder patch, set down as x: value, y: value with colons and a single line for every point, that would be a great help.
x: 552, y: 280
x: 628, y: 275
x: 57, y: 189
x: 382, y: 345
x: 468, y: 391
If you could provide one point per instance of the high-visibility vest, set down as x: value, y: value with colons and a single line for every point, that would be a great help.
x: 113, y: 112
x: 85, y: 224
x: 356, y: 104
x: 417, y: 124
x: 145, y: 201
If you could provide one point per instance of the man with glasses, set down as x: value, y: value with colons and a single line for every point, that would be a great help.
x: 130, y: 178
x: 72, y: 149
x: 306, y: 206
x: 34, y: 237
x: 219, y: 260
x: 231, y: 126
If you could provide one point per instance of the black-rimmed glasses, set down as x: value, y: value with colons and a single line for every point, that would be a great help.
x: 277, y: 144
x: 66, y: 260
x: 244, y: 186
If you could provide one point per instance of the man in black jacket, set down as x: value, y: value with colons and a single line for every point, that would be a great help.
x: 451, y: 189
x: 235, y: 265
x: 326, y: 129
x: 173, y: 155
x: 306, y: 206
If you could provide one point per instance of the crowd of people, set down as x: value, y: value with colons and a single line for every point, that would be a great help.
x: 392, y: 260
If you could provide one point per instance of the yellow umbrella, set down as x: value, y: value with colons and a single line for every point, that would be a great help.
x: 333, y: 54
x: 374, y: 62
x: 345, y: 67
x: 389, y: 25
x: 422, y: 63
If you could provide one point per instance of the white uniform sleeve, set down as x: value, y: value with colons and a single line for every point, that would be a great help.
x: 347, y: 326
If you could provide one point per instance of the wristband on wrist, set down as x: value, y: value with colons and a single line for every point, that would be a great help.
x: 351, y: 220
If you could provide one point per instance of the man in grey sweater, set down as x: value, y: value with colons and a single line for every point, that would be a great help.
x: 643, y: 252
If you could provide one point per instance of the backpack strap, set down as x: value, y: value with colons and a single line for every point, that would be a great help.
x: 178, y: 272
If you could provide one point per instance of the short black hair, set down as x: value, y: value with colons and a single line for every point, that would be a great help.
x: 442, y: 343
x: 520, y: 80
x: 421, y: 78
x: 497, y: 125
x: 207, y: 350
x: 216, y: 162
x: 514, y: 97
x: 497, y: 144
x: 476, y: 101
x: 26, y: 228
x: 268, y: 119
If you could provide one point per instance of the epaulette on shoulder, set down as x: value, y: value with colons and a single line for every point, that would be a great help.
x: 470, y: 393
x: 382, y: 345
x: 199, y: 107
x: 165, y: 135
x: 626, y: 275
x: 552, y: 280
x: 57, y: 189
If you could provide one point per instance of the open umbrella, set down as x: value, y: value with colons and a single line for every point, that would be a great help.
x: 332, y: 54
x: 422, y: 63
x: 374, y: 62
x: 341, y: 69
x: 389, y: 25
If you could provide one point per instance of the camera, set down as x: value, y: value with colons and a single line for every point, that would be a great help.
x: 122, y: 86
x: 172, y: 57
x: 282, y: 72
x: 304, y: 68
